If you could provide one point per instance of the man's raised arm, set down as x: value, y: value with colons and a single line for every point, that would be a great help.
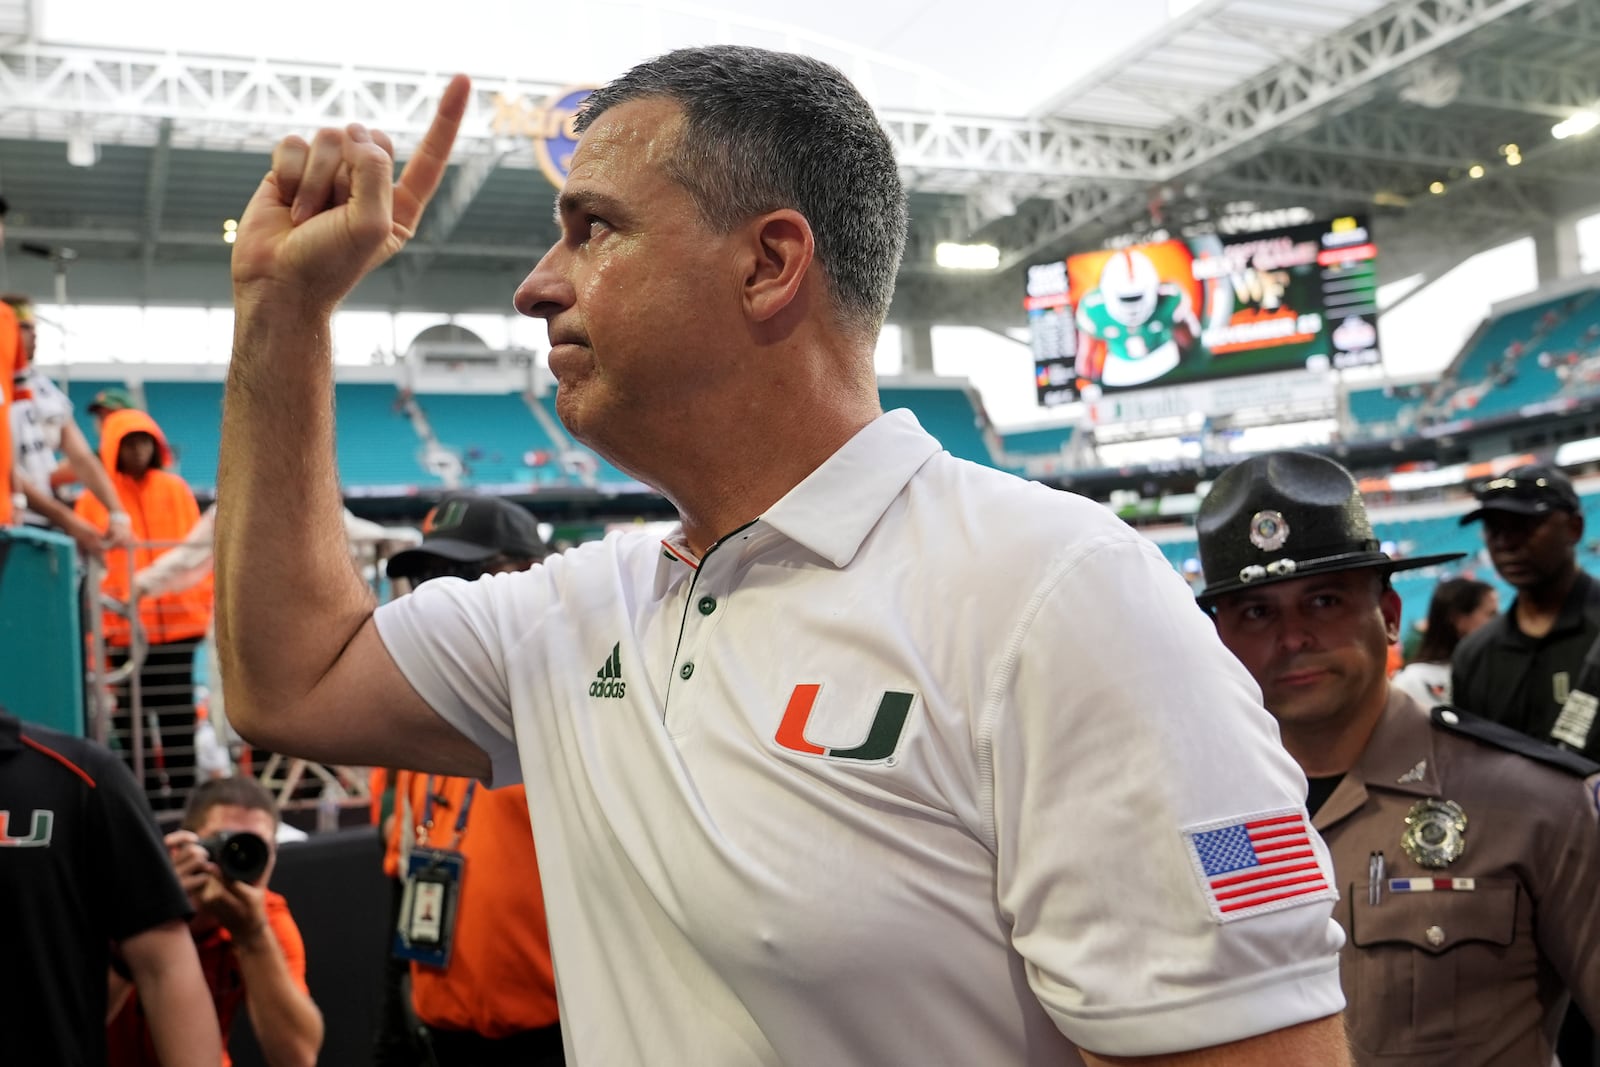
x: 305, y: 671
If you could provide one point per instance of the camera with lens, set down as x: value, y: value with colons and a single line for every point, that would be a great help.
x: 240, y: 854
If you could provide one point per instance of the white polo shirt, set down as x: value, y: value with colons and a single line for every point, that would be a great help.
x: 915, y: 769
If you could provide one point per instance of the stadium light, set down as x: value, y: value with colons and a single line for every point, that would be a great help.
x: 1475, y: 171
x: 81, y: 149
x: 1437, y: 188
x: 952, y: 256
x: 1574, y: 125
x: 1514, y: 159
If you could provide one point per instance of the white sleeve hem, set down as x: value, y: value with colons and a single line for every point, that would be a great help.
x: 1273, y: 1002
x: 400, y: 636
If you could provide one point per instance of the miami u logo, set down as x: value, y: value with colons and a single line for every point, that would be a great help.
x: 882, y: 738
x: 444, y: 515
x: 43, y: 823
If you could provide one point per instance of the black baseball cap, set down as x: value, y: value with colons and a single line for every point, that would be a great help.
x: 1533, y: 489
x: 465, y: 528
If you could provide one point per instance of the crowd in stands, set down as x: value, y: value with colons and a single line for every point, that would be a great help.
x: 1522, y: 358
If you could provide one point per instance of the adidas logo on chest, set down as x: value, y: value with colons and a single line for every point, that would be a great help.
x: 608, y: 683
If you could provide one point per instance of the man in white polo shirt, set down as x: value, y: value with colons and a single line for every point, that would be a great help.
x: 882, y: 757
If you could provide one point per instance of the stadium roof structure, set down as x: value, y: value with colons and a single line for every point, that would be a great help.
x: 1333, y: 106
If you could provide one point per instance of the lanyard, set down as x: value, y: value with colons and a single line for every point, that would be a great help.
x: 461, y: 817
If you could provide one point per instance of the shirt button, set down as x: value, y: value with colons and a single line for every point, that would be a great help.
x: 686, y: 671
x: 707, y: 605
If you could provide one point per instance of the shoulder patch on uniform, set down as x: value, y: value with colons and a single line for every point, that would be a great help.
x: 1456, y: 721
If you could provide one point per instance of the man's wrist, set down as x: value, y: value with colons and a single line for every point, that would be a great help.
x: 120, y: 518
x: 252, y: 939
x: 277, y: 304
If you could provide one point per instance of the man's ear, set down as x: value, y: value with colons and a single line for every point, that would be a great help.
x: 779, y: 253
x: 1389, y: 604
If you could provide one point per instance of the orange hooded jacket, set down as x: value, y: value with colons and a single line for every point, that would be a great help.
x: 10, y: 349
x: 163, y: 510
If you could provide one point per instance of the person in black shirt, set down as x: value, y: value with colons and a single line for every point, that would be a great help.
x: 1520, y: 668
x: 82, y: 868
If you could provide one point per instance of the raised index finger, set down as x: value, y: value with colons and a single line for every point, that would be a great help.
x: 423, y: 172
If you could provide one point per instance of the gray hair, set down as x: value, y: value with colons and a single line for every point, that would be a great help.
x: 769, y: 130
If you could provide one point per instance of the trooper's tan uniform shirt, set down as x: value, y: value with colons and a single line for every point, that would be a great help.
x: 1459, y: 977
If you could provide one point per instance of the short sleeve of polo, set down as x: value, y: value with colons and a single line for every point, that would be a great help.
x: 1125, y: 725
x: 446, y: 638
x: 131, y: 866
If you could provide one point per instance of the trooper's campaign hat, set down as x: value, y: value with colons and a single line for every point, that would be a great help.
x: 1286, y: 515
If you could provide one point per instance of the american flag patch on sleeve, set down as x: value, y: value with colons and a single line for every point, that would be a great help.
x: 1260, y: 863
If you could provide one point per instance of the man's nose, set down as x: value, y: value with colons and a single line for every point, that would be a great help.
x: 1296, y: 634
x: 546, y: 291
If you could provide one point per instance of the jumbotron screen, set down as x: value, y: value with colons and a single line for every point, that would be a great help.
x: 1198, y: 308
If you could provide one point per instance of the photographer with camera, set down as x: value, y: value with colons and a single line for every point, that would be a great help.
x: 250, y: 948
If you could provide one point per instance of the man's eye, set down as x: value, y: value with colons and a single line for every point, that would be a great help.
x: 595, y: 226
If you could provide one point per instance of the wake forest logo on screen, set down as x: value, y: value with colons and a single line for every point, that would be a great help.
x: 1204, y: 306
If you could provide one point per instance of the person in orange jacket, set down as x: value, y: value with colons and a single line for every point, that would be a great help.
x: 10, y: 344
x: 161, y: 509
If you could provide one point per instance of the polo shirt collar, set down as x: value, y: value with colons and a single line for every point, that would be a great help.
x: 10, y: 732
x: 833, y: 510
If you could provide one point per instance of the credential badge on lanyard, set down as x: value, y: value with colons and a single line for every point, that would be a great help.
x: 428, y: 905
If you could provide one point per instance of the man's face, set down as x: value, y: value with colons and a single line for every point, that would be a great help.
x: 230, y: 818
x: 1316, y: 646
x: 640, y: 295
x: 135, y: 454
x: 1531, y: 550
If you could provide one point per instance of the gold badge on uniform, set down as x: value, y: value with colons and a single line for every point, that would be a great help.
x: 1435, y: 833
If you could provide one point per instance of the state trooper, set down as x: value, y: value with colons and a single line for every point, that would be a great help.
x: 1467, y: 854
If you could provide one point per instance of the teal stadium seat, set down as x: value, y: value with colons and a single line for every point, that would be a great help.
x: 1379, y: 411
x: 190, y: 414
x: 490, y: 432
x: 1046, y: 442
x: 1532, y: 383
x: 377, y: 445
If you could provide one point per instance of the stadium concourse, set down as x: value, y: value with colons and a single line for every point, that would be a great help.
x: 1215, y: 238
